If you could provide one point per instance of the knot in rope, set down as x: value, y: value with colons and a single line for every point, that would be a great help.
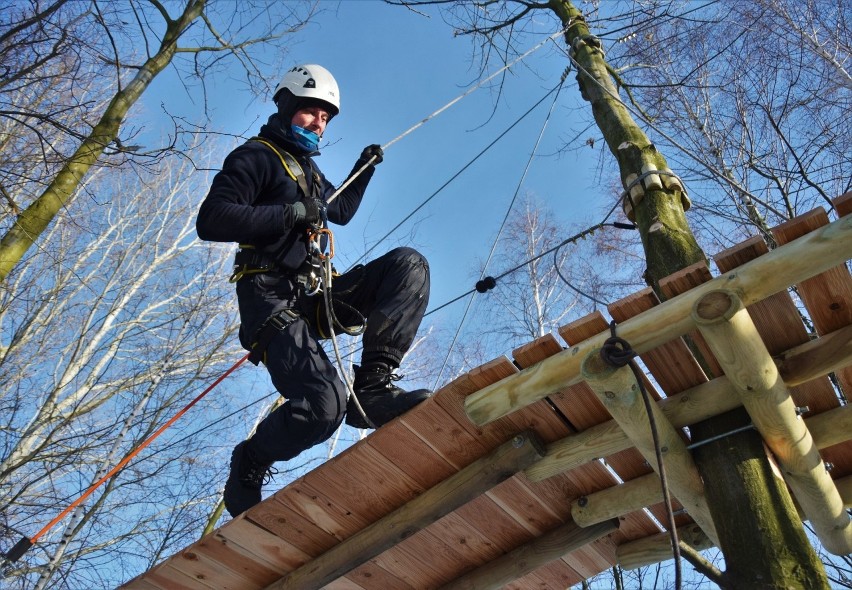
x: 617, y: 351
x: 486, y: 284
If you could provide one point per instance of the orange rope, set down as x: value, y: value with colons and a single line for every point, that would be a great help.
x: 135, y: 452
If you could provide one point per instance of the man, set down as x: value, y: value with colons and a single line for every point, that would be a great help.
x: 271, y: 198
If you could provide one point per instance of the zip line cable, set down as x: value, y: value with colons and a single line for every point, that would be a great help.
x: 456, y: 175
x: 502, y: 225
x: 25, y: 543
x: 487, y: 285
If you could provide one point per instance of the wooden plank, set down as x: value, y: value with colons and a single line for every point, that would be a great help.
x: 843, y: 204
x: 212, y: 574
x: 373, y: 575
x: 794, y: 262
x: 671, y: 364
x: 245, y: 537
x: 678, y: 284
x: 167, y: 577
x: 828, y: 296
x: 410, y: 453
x: 440, y: 500
x: 583, y: 407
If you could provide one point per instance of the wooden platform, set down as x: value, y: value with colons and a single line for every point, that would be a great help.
x: 487, y: 484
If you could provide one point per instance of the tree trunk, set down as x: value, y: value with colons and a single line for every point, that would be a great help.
x: 759, y: 530
x: 35, y: 218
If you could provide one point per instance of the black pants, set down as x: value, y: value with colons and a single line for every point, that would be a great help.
x: 391, y: 292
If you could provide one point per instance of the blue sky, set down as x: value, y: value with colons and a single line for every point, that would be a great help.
x: 395, y: 67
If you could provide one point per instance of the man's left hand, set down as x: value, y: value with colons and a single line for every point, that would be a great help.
x: 370, y: 151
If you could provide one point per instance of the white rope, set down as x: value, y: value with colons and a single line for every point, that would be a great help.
x: 442, y: 109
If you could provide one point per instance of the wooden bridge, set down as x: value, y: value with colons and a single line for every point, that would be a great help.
x: 535, y: 472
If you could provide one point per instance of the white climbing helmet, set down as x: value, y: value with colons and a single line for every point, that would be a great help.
x: 311, y: 81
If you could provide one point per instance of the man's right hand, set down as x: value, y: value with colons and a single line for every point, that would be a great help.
x: 307, y: 212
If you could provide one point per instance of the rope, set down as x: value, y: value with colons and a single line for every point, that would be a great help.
x: 330, y: 316
x: 456, y: 175
x: 444, y: 108
x: 617, y: 352
x: 24, y: 544
x: 502, y: 227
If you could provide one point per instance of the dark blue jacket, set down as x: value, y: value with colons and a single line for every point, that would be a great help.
x: 250, y: 199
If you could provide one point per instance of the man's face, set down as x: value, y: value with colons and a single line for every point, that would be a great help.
x: 313, y: 118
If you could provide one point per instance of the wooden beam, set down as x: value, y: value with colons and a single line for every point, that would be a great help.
x: 829, y: 428
x: 657, y: 548
x: 519, y: 562
x: 618, y: 390
x: 819, y: 356
x: 729, y: 331
x: 455, y: 491
x: 618, y: 500
x: 699, y: 403
x: 792, y: 263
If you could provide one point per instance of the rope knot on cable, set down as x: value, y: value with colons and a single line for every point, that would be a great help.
x: 486, y: 284
x: 616, y: 351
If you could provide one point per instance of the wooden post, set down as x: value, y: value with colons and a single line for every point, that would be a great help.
x: 519, y: 562
x: 619, y: 392
x: 729, y: 331
x: 455, y: 491
x: 792, y: 263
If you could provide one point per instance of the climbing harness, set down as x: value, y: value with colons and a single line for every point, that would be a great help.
x: 277, y: 322
x: 617, y: 352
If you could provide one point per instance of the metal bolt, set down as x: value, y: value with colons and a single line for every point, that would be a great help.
x: 518, y: 441
x: 582, y: 501
x: 802, y: 410
x: 829, y: 466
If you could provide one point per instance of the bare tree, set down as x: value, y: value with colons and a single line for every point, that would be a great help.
x: 105, y: 335
x: 62, y: 53
x: 752, y: 101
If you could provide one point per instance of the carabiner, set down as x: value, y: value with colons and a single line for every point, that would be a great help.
x: 315, y: 239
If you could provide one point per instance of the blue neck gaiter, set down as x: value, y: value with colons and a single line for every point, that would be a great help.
x: 307, y: 139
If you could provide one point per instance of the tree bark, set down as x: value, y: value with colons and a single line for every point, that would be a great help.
x: 759, y: 530
x: 35, y: 218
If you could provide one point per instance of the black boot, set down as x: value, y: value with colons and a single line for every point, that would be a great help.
x: 242, y: 490
x: 381, y: 400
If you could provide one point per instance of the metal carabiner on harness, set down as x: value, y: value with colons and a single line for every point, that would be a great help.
x: 315, y: 242
x: 317, y: 258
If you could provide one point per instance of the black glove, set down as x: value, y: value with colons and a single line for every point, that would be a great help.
x: 369, y: 152
x: 307, y: 212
